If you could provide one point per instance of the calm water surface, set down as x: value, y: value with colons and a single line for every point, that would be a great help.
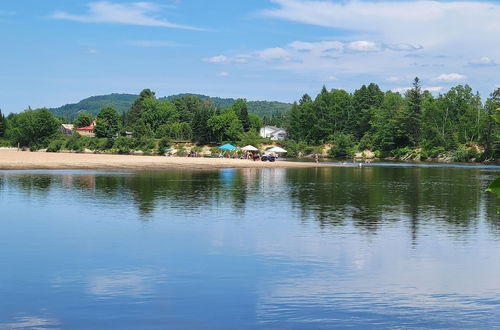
x: 378, y: 247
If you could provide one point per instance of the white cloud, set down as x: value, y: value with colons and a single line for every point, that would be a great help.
x: 226, y: 59
x: 363, y: 46
x: 482, y: 61
x: 322, y: 46
x: 426, y: 23
x: 451, y: 77
x: 393, y: 79
x: 404, y: 47
x: 217, y: 59
x: 432, y: 89
x: 275, y: 53
x: 136, y: 13
x: 223, y: 74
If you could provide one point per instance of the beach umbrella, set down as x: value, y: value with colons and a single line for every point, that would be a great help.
x: 277, y: 150
x: 228, y: 146
x: 249, y: 148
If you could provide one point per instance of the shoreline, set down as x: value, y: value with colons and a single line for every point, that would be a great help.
x: 26, y: 160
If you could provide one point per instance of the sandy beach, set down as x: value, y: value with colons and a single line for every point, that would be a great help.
x: 24, y: 160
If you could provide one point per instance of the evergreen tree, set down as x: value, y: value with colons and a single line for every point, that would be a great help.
x: 108, y: 123
x: 3, y: 124
x: 412, y: 125
x: 135, y: 111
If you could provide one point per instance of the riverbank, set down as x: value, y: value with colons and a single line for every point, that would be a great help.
x: 11, y: 159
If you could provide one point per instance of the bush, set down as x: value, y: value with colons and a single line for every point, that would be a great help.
x: 163, y: 144
x: 432, y: 153
x: 55, y: 145
x: 181, y: 151
x: 463, y: 154
x: 74, y: 143
x: 295, y: 149
x: 122, y: 145
x: 343, y: 146
x: 402, y: 152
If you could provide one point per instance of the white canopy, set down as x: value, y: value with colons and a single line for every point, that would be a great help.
x: 249, y: 148
x: 277, y: 149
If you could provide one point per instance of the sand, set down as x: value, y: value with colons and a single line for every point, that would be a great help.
x: 25, y: 160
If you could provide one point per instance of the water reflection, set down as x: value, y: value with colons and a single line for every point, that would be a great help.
x: 296, y: 248
x: 368, y: 197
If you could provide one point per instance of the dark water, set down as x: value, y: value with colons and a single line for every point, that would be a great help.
x: 377, y: 247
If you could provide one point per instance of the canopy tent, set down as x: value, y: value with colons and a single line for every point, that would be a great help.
x: 277, y: 150
x: 227, y: 146
x: 249, y: 148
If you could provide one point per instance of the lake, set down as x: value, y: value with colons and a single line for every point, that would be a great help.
x: 377, y: 246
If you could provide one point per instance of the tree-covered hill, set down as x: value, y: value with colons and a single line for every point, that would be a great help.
x: 122, y: 102
x: 93, y: 104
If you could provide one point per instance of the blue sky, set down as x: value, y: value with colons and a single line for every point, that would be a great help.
x: 55, y: 51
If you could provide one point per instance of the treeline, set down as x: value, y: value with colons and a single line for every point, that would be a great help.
x: 152, y: 123
x: 392, y: 124
x: 415, y: 124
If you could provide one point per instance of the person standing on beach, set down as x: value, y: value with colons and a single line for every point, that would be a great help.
x: 316, y: 158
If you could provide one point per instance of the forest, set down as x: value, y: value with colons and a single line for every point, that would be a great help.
x: 335, y: 123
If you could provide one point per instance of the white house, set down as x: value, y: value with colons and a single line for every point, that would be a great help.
x: 273, y: 133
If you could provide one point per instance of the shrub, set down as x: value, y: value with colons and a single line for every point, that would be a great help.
x: 463, y: 154
x: 74, y: 143
x: 181, y: 151
x: 122, y: 145
x: 402, y: 152
x: 163, y: 144
x: 343, y: 145
x: 55, y: 145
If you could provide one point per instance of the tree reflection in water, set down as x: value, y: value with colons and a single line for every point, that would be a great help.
x: 366, y: 198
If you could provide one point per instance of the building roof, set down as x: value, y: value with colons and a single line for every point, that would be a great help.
x: 86, y: 128
x: 68, y: 126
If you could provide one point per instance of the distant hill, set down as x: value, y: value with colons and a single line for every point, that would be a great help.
x: 93, y: 104
x: 122, y: 102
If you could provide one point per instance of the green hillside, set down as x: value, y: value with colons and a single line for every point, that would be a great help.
x: 93, y: 104
x: 122, y: 102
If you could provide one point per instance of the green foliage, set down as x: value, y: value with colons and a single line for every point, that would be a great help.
x: 401, y: 153
x: 432, y: 153
x: 82, y: 120
x: 137, y: 108
x: 122, y: 145
x: 108, y: 123
x: 144, y: 144
x: 55, y: 145
x: 241, y: 110
x: 163, y: 144
x: 75, y: 143
x: 249, y: 138
x: 343, y: 146
x: 3, y: 124
x: 225, y: 127
x: 92, y: 105
x: 32, y: 128
x: 140, y: 129
x: 156, y: 113
x: 463, y: 154
x: 181, y: 151
x: 294, y: 149
x: 179, y: 131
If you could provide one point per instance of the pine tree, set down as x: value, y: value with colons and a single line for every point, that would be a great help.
x: 413, y: 120
x: 135, y: 111
x: 3, y: 124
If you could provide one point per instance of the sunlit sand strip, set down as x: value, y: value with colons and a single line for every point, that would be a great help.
x: 25, y: 160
